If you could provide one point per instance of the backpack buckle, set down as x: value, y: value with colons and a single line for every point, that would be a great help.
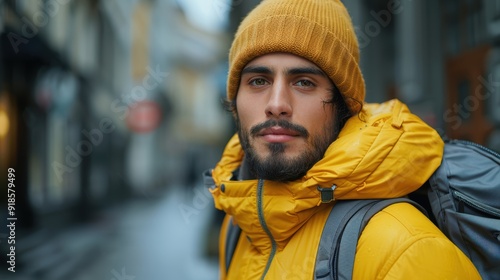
x: 327, y: 194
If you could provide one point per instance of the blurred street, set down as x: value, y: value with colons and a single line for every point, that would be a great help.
x: 150, y: 238
x: 110, y: 110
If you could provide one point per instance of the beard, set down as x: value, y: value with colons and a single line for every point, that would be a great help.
x: 277, y: 166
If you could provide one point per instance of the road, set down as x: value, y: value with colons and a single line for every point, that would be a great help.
x: 158, y: 237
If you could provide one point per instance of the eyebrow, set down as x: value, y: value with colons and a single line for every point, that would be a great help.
x: 305, y: 70
x: 289, y: 71
x: 256, y: 70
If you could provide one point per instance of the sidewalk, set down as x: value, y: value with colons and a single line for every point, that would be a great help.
x: 154, y: 238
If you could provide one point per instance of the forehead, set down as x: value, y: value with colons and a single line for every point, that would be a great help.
x: 281, y: 60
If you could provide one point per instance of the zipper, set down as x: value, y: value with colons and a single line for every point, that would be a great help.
x: 482, y: 148
x: 477, y: 205
x: 262, y: 221
x: 466, y: 199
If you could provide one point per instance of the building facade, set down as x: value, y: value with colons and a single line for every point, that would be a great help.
x: 439, y: 57
x: 102, y: 102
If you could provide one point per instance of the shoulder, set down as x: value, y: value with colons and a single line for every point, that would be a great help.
x: 400, y: 242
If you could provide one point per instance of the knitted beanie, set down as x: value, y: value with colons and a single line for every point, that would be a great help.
x: 320, y: 31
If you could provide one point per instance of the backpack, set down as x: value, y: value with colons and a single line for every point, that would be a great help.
x: 463, y: 197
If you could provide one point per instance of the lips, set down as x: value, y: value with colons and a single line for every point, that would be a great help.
x: 277, y: 134
x: 277, y: 130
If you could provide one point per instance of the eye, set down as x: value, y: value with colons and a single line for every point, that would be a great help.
x: 305, y: 83
x: 257, y: 82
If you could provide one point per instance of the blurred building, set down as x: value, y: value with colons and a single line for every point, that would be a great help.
x: 442, y: 58
x: 103, y: 101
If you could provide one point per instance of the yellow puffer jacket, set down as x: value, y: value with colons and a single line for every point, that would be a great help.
x: 385, y: 152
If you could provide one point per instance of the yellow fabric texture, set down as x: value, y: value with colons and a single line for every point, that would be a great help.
x: 401, y: 243
x: 384, y: 152
x: 318, y: 30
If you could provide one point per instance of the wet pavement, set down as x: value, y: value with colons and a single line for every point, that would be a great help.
x: 160, y: 236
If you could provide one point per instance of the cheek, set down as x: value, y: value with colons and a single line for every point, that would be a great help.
x: 248, y: 112
x: 318, y: 119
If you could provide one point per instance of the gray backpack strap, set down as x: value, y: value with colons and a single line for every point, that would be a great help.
x: 232, y: 236
x: 232, y: 231
x: 340, y: 215
x: 208, y: 181
x: 337, y: 249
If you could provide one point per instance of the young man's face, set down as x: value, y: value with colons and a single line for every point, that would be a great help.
x: 283, y: 123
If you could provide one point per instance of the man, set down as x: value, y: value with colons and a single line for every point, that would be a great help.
x: 305, y: 139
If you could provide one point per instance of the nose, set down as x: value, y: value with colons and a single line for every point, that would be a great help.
x: 279, y: 103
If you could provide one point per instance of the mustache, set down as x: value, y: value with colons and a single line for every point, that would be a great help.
x: 302, y: 131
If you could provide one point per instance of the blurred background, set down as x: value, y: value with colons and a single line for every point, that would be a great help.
x: 111, y: 109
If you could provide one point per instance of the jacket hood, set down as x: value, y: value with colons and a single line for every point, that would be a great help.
x: 384, y: 152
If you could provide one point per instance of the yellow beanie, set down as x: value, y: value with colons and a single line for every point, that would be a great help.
x: 318, y: 30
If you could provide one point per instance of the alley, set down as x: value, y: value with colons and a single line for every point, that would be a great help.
x: 161, y: 236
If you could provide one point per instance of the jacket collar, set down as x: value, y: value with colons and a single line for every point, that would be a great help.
x: 362, y: 163
x: 267, y: 210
